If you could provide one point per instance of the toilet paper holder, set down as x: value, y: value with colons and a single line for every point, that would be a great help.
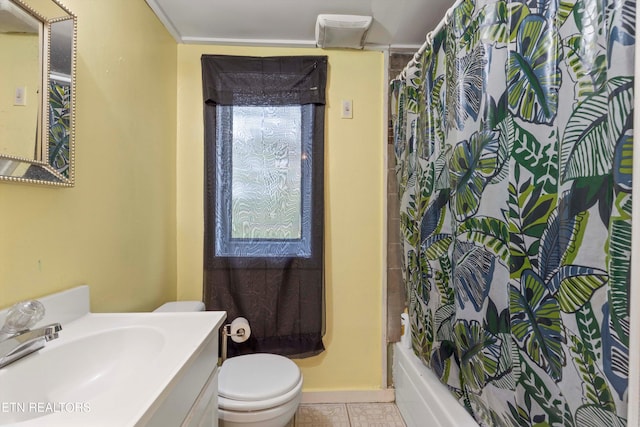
x: 227, y: 333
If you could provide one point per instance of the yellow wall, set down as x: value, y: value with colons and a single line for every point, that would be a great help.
x: 115, y: 230
x: 354, y: 205
x: 132, y: 226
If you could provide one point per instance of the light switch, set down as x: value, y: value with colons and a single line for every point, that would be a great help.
x: 21, y: 96
x: 347, y: 109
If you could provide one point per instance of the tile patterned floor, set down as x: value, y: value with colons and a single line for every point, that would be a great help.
x: 348, y: 415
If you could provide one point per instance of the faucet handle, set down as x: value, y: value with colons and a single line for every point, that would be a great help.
x: 51, y: 331
x: 22, y: 316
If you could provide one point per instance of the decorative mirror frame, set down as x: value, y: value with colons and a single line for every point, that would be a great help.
x: 40, y: 170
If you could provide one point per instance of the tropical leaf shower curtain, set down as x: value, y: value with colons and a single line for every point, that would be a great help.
x: 513, y: 138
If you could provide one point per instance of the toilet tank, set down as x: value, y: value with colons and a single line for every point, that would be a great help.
x: 180, y: 306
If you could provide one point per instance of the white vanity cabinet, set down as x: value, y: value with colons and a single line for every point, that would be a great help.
x: 204, y: 412
x: 191, y: 400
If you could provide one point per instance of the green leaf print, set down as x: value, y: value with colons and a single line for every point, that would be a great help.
x: 621, y: 102
x: 489, y: 26
x: 595, y: 126
x: 424, y: 186
x: 504, y: 376
x: 491, y: 233
x: 479, y: 353
x: 422, y: 331
x: 473, y: 163
x: 589, y: 330
x: 533, y: 209
x: 595, y: 416
x: 497, y: 323
x: 465, y: 87
x: 565, y: 9
x: 469, y: 36
x: 596, y: 390
x: 561, y: 239
x: 588, y: 17
x: 499, y: 118
x: 588, y: 71
x: 461, y: 17
x: 409, y: 229
x: 533, y: 76
x: 529, y: 211
x: 473, y: 268
x: 443, y: 277
x: 433, y: 217
x: 442, y: 359
x: 537, y: 390
x: 619, y: 256
x: 573, y: 285
x: 621, y: 22
x: 412, y: 100
x: 520, y: 416
x: 442, y: 171
x: 494, y: 26
x: 536, y: 323
x: 623, y: 162
x: 588, y: 192
x: 615, y: 347
x: 517, y: 13
x: 437, y: 245
x: 433, y: 123
x: 541, y: 160
x: 444, y: 319
x: 586, y: 148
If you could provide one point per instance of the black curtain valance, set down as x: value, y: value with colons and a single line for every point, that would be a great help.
x: 282, y: 80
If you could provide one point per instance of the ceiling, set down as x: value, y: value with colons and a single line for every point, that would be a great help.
x: 397, y: 24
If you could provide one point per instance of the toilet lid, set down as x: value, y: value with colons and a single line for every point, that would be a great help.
x: 257, y: 377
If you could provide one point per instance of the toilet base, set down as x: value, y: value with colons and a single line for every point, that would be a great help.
x: 272, y: 417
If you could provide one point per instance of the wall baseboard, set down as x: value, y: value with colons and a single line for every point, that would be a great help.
x: 349, y: 396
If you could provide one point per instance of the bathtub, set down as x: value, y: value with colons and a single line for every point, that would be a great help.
x: 421, y: 397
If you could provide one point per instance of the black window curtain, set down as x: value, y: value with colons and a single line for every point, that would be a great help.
x: 280, y: 294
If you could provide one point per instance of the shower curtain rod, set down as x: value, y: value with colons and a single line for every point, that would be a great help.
x: 429, y: 40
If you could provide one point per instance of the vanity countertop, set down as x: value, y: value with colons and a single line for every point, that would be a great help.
x: 109, y: 369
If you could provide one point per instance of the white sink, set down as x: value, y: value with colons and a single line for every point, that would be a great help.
x: 109, y: 369
x: 77, y: 370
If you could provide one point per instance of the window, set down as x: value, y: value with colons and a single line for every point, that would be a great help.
x: 264, y: 132
x: 264, y: 198
x: 263, y: 172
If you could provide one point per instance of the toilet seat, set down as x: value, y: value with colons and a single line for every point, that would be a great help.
x: 257, y: 405
x: 257, y: 381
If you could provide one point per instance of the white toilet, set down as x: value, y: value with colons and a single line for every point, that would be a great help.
x: 255, y: 389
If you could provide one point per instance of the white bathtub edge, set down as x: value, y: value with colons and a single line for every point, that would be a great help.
x: 420, y: 396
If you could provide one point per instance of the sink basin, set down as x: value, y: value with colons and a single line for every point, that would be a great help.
x: 112, y: 369
x: 75, y: 371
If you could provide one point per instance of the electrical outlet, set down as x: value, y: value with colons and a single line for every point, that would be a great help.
x: 20, y: 96
x: 347, y: 109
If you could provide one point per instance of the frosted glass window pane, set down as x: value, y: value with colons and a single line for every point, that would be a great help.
x: 264, y: 181
x: 266, y: 173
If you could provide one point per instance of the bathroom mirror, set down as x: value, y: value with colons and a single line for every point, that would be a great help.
x: 37, y: 92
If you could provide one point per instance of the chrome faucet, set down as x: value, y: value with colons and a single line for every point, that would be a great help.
x: 17, y: 340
